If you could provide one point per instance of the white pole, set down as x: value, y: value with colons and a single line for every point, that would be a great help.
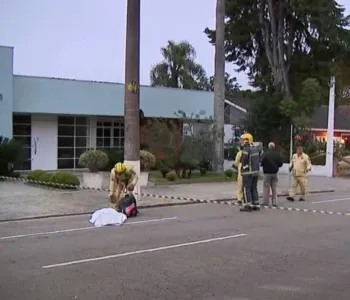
x: 330, y: 130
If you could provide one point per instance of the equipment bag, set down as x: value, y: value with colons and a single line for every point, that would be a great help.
x: 128, y: 206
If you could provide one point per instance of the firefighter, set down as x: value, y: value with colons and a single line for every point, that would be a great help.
x: 300, y: 165
x: 122, y: 178
x: 250, y: 166
x: 238, y: 165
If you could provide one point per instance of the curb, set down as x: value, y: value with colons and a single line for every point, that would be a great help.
x: 147, y: 207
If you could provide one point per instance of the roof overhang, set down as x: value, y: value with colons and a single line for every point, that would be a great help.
x: 236, y: 106
x: 325, y: 129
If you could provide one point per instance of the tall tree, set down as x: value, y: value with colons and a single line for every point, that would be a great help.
x: 219, y: 83
x: 231, y: 85
x: 285, y: 46
x: 132, y: 77
x: 178, y: 69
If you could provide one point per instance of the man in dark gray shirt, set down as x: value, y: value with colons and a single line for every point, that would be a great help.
x: 271, y: 162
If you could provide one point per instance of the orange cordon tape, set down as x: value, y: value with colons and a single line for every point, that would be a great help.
x: 194, y: 200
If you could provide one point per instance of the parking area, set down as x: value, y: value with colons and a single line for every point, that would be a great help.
x: 204, y: 251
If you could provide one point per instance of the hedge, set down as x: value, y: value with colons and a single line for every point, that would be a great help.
x: 49, y: 179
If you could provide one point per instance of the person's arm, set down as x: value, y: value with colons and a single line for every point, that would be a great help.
x: 133, y: 180
x: 238, y: 158
x: 263, y: 159
x: 308, y: 163
x: 245, y: 158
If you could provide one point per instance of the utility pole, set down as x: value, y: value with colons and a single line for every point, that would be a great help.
x: 330, y: 129
x: 219, y: 84
x: 131, y: 94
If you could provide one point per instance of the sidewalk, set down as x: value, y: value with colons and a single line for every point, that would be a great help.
x: 20, y: 200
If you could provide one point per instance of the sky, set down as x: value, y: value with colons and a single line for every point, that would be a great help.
x: 85, y: 39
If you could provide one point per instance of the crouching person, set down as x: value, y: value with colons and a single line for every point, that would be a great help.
x: 123, y: 178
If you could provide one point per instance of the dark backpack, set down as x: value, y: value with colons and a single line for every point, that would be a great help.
x: 128, y: 206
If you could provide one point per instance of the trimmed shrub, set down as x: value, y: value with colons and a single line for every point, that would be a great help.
x: 229, y: 173
x: 114, y: 156
x: 171, y: 176
x: 65, y: 177
x: 94, y: 160
x: 46, y: 178
x: 35, y: 175
x: 147, y: 160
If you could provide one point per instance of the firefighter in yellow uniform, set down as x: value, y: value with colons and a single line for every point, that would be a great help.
x: 122, y: 178
x: 238, y: 165
x: 300, y: 165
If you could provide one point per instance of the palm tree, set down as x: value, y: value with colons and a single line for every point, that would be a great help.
x: 132, y: 76
x: 219, y: 83
x: 178, y: 68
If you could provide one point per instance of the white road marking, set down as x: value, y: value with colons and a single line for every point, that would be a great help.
x: 74, y: 262
x: 330, y: 200
x: 80, y: 229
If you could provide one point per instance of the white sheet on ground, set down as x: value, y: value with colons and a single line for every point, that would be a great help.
x: 107, y: 216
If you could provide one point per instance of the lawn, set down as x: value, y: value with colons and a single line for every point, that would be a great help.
x: 156, y: 178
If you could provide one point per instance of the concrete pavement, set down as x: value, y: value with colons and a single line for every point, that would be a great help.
x: 190, y: 252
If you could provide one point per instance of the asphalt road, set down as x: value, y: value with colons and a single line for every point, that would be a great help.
x: 195, y: 252
x: 335, y: 202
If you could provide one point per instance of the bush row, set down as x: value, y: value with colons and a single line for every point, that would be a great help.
x: 51, y: 179
x: 97, y: 160
x: 172, y: 176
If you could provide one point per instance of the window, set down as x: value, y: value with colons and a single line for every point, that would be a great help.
x: 73, y: 139
x: 22, y: 127
x: 110, y: 134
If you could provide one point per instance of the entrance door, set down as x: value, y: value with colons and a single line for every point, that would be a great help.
x: 44, y: 142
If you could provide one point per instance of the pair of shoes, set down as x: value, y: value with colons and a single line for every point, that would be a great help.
x: 246, y: 208
x: 256, y: 207
x: 291, y: 199
x: 274, y: 205
x: 239, y: 202
x: 301, y: 199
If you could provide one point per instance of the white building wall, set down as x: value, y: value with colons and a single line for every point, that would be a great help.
x: 44, y: 142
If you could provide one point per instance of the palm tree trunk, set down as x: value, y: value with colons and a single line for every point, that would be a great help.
x: 131, y: 94
x: 219, y: 83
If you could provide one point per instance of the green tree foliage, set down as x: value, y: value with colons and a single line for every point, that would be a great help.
x: 231, y: 84
x: 190, y: 151
x: 178, y: 69
x: 289, y: 49
x: 12, y: 154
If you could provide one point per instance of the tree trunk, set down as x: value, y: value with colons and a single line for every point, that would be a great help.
x: 277, y: 41
x: 219, y: 84
x: 131, y: 94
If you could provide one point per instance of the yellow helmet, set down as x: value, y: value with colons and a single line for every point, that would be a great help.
x: 121, y: 168
x: 247, y: 138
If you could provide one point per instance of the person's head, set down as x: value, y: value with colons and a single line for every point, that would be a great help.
x: 121, y: 168
x: 272, y: 146
x: 299, y: 150
x: 247, y: 139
